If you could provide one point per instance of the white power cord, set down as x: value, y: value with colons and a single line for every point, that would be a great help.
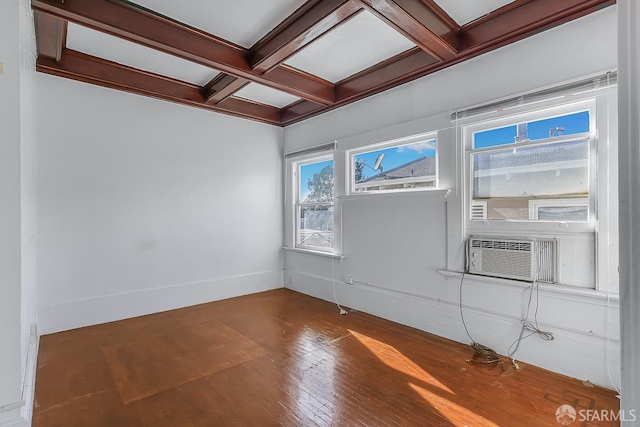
x: 333, y: 280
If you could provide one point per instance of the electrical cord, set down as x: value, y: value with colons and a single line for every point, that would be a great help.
x: 461, y: 313
x: 531, y: 327
x: 333, y: 280
x: 546, y: 336
x: 528, y: 328
x: 487, y: 355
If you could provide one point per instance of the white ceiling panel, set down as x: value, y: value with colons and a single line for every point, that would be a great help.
x: 265, y: 95
x: 242, y: 22
x: 124, y: 52
x: 358, y: 44
x: 465, y: 11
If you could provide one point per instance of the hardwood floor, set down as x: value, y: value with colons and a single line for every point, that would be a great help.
x: 283, y: 358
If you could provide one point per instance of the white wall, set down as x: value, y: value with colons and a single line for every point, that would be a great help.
x: 10, y: 280
x: 17, y: 213
x: 29, y: 206
x: 629, y: 173
x: 394, y: 245
x: 146, y: 206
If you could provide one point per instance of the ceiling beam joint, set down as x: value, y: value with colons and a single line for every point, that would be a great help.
x: 52, y: 35
x: 299, y: 30
x: 423, y: 22
x: 221, y: 87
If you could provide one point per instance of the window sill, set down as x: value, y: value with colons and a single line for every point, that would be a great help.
x: 557, y: 289
x: 519, y: 228
x: 314, y: 253
x: 417, y: 193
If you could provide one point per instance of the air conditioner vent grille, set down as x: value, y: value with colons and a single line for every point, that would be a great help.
x: 501, y: 244
x: 529, y: 260
x: 479, y: 210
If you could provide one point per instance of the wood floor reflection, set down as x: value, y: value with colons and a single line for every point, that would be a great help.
x: 283, y: 358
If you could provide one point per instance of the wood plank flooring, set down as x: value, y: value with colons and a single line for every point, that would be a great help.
x: 283, y: 358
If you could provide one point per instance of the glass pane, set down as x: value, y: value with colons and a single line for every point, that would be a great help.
x: 402, y: 166
x: 508, y: 179
x: 569, y: 124
x: 495, y: 137
x: 563, y: 213
x: 316, y: 182
x: 316, y: 227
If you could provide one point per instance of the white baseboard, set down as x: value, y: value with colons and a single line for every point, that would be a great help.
x: 576, y: 353
x: 109, y: 308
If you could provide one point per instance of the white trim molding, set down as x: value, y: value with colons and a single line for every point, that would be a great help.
x: 108, y: 308
x: 629, y: 189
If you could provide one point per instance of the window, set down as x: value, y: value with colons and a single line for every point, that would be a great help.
x: 408, y: 163
x: 575, y: 209
x: 533, y: 167
x: 314, y: 204
x: 546, y: 170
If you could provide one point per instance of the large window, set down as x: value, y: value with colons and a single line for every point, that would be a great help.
x: 534, y: 167
x: 408, y: 163
x: 314, y: 204
x: 546, y: 170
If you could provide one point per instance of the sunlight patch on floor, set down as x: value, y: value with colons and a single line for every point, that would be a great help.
x: 396, y: 360
x: 458, y: 415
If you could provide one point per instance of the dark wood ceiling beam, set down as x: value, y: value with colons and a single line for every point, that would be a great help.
x: 138, y: 25
x: 89, y: 69
x: 52, y: 35
x: 249, y: 109
x: 221, y: 87
x: 424, y: 22
x: 299, y: 111
x: 385, y: 75
x: 521, y: 19
x: 299, y: 30
x: 506, y: 25
x: 283, y: 74
x: 439, y: 49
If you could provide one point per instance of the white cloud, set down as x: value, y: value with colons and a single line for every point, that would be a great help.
x: 419, y: 147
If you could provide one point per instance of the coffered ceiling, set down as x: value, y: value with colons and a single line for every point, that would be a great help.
x: 278, y: 61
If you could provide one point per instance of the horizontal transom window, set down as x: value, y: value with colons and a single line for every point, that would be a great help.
x: 409, y: 163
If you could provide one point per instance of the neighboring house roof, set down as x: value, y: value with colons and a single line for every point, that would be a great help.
x: 424, y: 166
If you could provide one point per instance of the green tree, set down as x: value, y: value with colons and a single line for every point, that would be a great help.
x: 321, y: 186
x: 359, y: 167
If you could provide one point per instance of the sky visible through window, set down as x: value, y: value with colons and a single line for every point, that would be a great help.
x: 571, y: 123
x: 396, y: 156
x: 306, y: 173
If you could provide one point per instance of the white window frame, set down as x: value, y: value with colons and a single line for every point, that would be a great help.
x: 532, y: 113
x: 536, y: 204
x: 298, y: 204
x: 603, y: 224
x: 351, y: 173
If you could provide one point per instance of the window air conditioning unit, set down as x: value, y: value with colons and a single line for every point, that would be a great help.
x: 519, y: 259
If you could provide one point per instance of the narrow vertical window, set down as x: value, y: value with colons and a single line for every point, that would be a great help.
x: 314, y: 204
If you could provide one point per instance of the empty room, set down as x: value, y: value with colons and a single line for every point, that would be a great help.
x: 319, y: 213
